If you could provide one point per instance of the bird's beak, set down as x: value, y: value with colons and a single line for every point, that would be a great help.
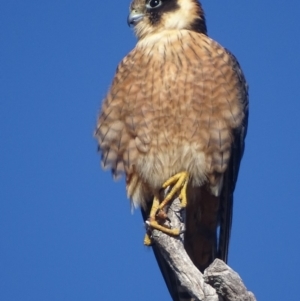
x: 134, y: 17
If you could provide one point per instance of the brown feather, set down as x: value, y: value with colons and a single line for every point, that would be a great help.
x: 164, y: 120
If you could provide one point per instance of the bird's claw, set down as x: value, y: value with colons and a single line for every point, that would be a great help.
x: 157, y: 213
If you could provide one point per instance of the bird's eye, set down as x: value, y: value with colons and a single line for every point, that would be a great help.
x: 153, y: 4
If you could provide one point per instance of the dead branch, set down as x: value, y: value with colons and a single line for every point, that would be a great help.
x: 227, y: 282
x: 219, y: 281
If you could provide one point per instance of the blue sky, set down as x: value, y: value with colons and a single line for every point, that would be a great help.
x: 66, y: 231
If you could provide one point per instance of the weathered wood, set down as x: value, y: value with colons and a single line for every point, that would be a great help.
x: 227, y: 282
x: 219, y: 281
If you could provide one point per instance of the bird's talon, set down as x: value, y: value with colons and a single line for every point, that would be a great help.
x: 179, y: 184
x: 147, y: 240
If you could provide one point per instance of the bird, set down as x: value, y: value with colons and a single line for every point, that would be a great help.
x: 176, y: 114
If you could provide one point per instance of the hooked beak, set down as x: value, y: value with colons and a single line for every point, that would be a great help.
x: 134, y: 17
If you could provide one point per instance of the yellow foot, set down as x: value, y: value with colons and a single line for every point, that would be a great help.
x: 147, y: 240
x: 179, y: 183
x: 155, y: 225
x: 154, y: 208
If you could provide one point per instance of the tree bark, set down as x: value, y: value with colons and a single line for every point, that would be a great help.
x: 219, y: 281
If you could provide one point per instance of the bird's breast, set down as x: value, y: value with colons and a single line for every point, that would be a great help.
x: 172, y: 107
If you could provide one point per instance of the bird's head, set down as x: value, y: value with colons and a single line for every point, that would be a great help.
x: 154, y: 16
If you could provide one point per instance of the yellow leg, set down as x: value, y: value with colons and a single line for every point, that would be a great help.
x: 179, y: 182
x: 182, y: 195
x: 154, y: 208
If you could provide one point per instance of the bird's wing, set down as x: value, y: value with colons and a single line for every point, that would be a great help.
x: 231, y: 174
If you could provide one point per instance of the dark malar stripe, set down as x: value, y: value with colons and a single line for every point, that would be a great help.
x: 199, y: 25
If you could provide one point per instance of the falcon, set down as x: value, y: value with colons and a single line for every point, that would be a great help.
x: 176, y: 116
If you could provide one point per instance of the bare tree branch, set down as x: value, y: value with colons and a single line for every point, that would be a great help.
x: 219, y: 281
x: 227, y: 282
